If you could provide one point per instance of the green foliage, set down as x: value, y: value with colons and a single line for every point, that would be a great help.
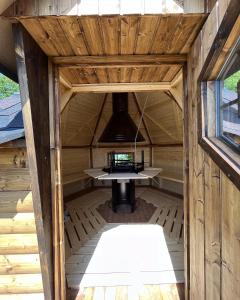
x: 7, y: 87
x: 231, y: 82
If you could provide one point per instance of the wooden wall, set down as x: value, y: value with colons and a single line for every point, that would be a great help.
x: 74, y: 162
x: 170, y: 159
x: 214, y: 202
x: 20, y: 271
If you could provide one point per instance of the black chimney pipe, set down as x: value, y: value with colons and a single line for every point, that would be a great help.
x: 120, y: 128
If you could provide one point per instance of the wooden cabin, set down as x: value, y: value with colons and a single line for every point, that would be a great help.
x: 166, y: 224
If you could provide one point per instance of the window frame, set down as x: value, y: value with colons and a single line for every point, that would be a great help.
x: 218, y: 90
x: 225, y: 156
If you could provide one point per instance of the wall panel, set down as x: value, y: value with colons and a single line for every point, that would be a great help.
x: 213, y: 199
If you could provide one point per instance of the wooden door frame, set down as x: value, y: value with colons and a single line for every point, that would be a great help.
x: 186, y: 199
x: 56, y: 181
x: 58, y: 210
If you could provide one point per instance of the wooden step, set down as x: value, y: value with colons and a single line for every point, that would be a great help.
x: 21, y: 283
x: 18, y: 243
x: 17, y: 223
x: 15, y: 179
x: 19, y: 264
x: 35, y: 296
x: 16, y: 201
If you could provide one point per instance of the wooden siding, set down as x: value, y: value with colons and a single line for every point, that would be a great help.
x: 213, y: 199
x: 20, y: 270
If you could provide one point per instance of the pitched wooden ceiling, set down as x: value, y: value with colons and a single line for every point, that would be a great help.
x: 86, y: 115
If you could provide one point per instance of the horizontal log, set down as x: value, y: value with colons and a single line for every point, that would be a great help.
x: 16, y: 201
x: 119, y: 61
x: 18, y: 243
x: 17, y: 223
x: 20, y: 264
x: 120, y: 87
x: 29, y: 296
x: 22, y: 283
x: 15, y: 179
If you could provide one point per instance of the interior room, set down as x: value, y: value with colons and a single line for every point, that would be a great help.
x: 124, y: 181
x: 112, y: 247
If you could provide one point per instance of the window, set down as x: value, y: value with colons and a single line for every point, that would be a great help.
x: 228, y: 101
x: 120, y: 157
x: 219, y: 105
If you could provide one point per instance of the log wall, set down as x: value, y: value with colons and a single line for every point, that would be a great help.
x: 20, y: 271
x: 214, y: 201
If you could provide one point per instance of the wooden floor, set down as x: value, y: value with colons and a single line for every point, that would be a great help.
x: 147, y: 292
x: 121, y: 260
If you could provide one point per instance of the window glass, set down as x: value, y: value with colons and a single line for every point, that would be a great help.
x: 229, y: 104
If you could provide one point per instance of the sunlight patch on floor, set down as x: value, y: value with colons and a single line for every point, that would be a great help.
x: 130, y: 255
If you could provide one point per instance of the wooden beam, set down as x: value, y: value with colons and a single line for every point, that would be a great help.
x: 170, y: 95
x: 65, y: 98
x: 65, y: 82
x: 99, y: 117
x: 121, y: 87
x: 161, y: 127
x: 5, y: 71
x: 32, y: 66
x: 143, y: 120
x: 57, y: 193
x: 122, y: 146
x: 119, y: 61
x: 186, y: 180
x: 177, y: 96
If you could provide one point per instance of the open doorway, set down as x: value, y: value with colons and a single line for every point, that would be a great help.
x: 123, y: 254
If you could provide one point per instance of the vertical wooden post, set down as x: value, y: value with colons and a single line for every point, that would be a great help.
x: 186, y: 181
x: 32, y: 65
x: 57, y: 193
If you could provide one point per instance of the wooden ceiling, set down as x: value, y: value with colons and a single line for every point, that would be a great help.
x: 86, y: 115
x: 66, y: 37
x: 162, y: 73
x: 113, y: 35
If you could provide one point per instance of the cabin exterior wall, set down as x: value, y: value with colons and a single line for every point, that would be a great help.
x: 214, y: 201
x: 20, y: 270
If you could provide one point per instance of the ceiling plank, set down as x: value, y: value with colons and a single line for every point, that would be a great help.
x: 119, y: 61
x: 121, y: 87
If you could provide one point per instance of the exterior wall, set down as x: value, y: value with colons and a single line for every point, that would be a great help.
x: 214, y: 202
x: 20, y: 271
